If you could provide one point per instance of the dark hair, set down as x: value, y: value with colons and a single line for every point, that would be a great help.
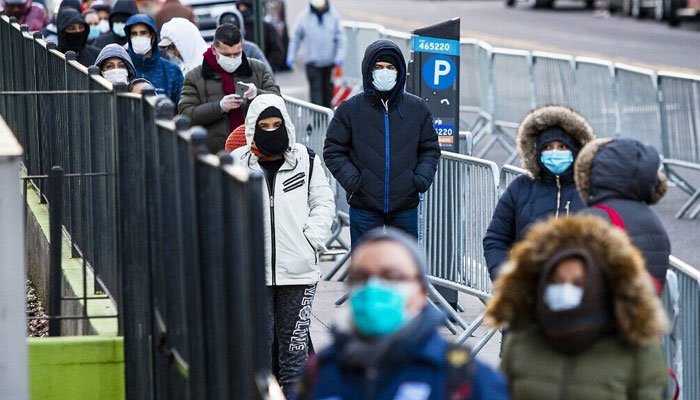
x: 136, y: 82
x: 227, y: 34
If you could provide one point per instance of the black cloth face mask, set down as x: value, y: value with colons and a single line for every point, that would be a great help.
x: 75, y: 41
x: 271, y: 143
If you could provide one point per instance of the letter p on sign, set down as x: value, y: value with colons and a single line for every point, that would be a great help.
x: 442, y: 68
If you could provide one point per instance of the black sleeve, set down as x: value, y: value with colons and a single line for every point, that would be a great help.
x: 336, y: 151
x: 501, y: 232
x: 428, y: 153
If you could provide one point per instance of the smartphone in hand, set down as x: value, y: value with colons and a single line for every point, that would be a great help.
x: 241, y: 88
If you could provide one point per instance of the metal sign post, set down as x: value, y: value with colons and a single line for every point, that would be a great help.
x: 434, y: 76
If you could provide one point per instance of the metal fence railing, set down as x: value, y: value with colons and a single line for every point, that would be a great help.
x: 172, y: 233
x: 498, y: 87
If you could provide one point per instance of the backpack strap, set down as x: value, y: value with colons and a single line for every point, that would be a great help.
x: 459, y: 372
x: 312, y: 157
x: 615, y: 218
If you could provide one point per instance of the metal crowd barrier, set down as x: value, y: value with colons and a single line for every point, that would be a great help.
x: 508, y: 175
x: 682, y: 345
x: 498, y: 87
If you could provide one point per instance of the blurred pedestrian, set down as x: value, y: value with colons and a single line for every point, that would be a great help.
x: 618, y: 179
x: 138, y: 85
x: 389, y: 346
x: 181, y: 41
x: 50, y: 32
x: 274, y: 52
x: 319, y: 32
x: 115, y: 64
x: 583, y: 318
x: 93, y: 20
x: 103, y: 11
x: 549, y: 139
x: 251, y: 50
x: 27, y: 13
x: 299, y: 211
x: 172, y: 9
x: 122, y: 10
x: 73, y: 34
x: 165, y: 76
x: 381, y: 146
x: 216, y: 94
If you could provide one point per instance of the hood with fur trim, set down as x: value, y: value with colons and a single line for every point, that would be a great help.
x: 619, y: 168
x: 541, y: 119
x: 638, y: 314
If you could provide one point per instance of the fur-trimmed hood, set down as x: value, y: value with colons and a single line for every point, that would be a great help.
x: 544, y: 118
x: 619, y: 168
x: 638, y: 314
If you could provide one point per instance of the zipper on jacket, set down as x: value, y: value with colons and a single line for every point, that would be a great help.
x: 387, y: 152
x: 312, y: 249
x: 565, y: 378
x: 558, y: 197
x: 273, y: 258
x: 566, y: 207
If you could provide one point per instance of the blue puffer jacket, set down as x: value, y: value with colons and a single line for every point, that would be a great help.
x: 383, y: 156
x: 165, y: 76
x: 622, y: 174
x: 413, y: 363
x: 542, y: 194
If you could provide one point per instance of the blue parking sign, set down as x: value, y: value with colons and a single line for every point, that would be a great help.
x: 439, y: 72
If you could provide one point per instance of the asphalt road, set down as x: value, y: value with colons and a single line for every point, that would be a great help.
x: 570, y: 31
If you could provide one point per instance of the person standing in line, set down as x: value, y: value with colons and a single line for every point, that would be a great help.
x: 299, y: 211
x: 121, y: 11
x: 620, y: 179
x: 165, y: 76
x: 388, y: 346
x: 181, y: 41
x: 318, y: 29
x: 251, y: 50
x: 549, y: 139
x: 73, y: 34
x: 381, y: 146
x: 213, y: 95
x: 27, y: 13
x: 115, y: 64
x: 583, y: 318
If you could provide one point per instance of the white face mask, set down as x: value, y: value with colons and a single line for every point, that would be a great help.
x: 103, y: 25
x: 116, y: 75
x: 230, y: 64
x: 141, y: 45
x: 562, y: 297
x: 118, y: 28
x: 318, y: 4
x: 384, y: 79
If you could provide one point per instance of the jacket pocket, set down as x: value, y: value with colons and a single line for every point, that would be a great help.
x: 313, y: 249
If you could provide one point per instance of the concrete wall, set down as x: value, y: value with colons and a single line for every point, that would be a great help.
x: 76, y: 368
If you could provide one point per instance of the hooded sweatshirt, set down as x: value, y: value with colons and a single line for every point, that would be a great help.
x: 33, y: 15
x: 382, y: 147
x: 323, y: 37
x: 121, y: 12
x: 536, y: 196
x: 165, y: 76
x: 188, y: 41
x: 623, y: 174
x: 250, y: 49
x: 114, y: 50
x: 86, y: 53
x: 298, y: 217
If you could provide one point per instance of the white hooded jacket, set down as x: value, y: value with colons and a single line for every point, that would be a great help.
x: 303, y: 213
x: 186, y: 37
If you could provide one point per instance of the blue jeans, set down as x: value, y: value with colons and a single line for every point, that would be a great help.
x: 363, y: 221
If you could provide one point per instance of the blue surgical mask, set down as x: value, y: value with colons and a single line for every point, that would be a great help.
x: 384, y: 79
x: 378, y: 307
x: 557, y: 161
x: 118, y: 29
x: 94, y: 32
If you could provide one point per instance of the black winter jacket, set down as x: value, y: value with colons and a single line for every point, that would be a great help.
x: 532, y: 198
x: 622, y: 174
x: 383, y: 157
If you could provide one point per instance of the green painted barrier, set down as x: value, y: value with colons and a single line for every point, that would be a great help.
x: 76, y: 368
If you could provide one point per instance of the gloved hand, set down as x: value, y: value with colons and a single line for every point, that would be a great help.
x: 251, y: 92
x: 230, y: 102
x: 290, y: 63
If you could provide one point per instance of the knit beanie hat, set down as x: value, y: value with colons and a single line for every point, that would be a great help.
x: 387, y: 56
x: 555, y: 133
x: 270, y: 112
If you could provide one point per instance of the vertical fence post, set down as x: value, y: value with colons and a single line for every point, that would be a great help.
x: 55, y: 236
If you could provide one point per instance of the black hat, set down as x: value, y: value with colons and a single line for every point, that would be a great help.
x: 555, y: 133
x: 387, y: 57
x: 270, y: 112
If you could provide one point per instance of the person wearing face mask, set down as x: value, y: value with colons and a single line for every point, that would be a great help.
x: 299, y: 211
x: 250, y: 49
x: 50, y: 32
x: 618, y: 179
x: 318, y: 28
x: 122, y: 10
x: 548, y: 140
x: 27, y: 13
x: 387, y: 345
x: 583, y: 317
x: 183, y: 44
x: 115, y: 64
x: 93, y: 21
x: 381, y: 146
x: 274, y: 50
x: 165, y: 76
x: 73, y: 34
x: 103, y: 10
x: 212, y: 96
